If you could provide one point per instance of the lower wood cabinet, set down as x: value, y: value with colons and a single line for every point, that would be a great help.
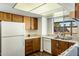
x: 57, y: 47
x: 28, y: 46
x: 32, y: 45
x: 36, y: 44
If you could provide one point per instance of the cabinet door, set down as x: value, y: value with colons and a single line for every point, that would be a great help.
x: 27, y: 22
x: 7, y: 17
x: 17, y: 18
x: 77, y: 10
x: 28, y: 46
x: 54, y: 44
x: 63, y: 45
x: 36, y: 44
x: 54, y: 47
x: 69, y: 44
x: 1, y: 15
x: 34, y: 23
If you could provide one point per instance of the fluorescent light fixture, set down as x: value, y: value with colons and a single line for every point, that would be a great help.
x: 27, y: 6
x: 38, y: 8
x: 45, y: 8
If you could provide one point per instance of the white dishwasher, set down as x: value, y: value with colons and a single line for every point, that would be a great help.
x: 47, y: 45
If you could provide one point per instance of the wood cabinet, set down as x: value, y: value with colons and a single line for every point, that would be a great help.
x: 17, y: 18
x: 27, y: 22
x: 5, y: 16
x: 1, y: 15
x: 34, y: 23
x: 77, y: 10
x: 31, y: 23
x: 57, y: 47
x: 11, y: 17
x: 36, y: 44
x: 28, y: 46
x: 75, y: 14
x: 32, y: 45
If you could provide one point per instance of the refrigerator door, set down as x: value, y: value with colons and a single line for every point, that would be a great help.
x: 13, y: 46
x: 12, y: 29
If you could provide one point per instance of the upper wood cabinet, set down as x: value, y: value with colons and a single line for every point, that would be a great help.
x: 77, y: 10
x: 27, y: 22
x: 31, y: 23
x: 11, y: 17
x: 5, y: 16
x: 75, y: 14
x: 1, y: 15
x: 34, y: 23
x: 17, y: 18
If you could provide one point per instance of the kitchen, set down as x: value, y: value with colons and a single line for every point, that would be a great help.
x: 39, y: 29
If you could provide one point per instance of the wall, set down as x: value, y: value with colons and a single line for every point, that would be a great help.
x: 78, y: 29
x: 44, y: 26
x: 50, y: 26
x: 0, y: 39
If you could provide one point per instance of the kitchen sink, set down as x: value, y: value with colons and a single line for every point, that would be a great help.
x: 64, y: 38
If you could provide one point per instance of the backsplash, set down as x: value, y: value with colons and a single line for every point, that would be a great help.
x: 32, y: 32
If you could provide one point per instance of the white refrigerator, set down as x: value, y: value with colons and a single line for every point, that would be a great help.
x: 12, y: 39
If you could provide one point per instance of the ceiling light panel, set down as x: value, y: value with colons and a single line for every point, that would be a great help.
x: 46, y: 7
x: 27, y: 6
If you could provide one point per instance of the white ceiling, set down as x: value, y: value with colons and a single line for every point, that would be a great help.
x: 68, y: 6
x: 38, y: 8
x: 35, y: 9
x: 8, y: 7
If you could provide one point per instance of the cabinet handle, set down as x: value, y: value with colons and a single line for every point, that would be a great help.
x: 58, y: 46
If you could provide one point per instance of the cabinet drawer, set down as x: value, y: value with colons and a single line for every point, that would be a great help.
x: 28, y: 41
x: 27, y: 45
x: 28, y: 48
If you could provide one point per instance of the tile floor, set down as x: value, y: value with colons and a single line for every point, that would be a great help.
x: 40, y: 54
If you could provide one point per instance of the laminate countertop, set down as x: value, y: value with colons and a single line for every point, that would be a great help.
x: 37, y: 36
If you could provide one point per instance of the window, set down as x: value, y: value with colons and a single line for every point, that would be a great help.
x: 66, y: 27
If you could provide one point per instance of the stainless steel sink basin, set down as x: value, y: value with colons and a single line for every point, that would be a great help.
x: 66, y: 38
